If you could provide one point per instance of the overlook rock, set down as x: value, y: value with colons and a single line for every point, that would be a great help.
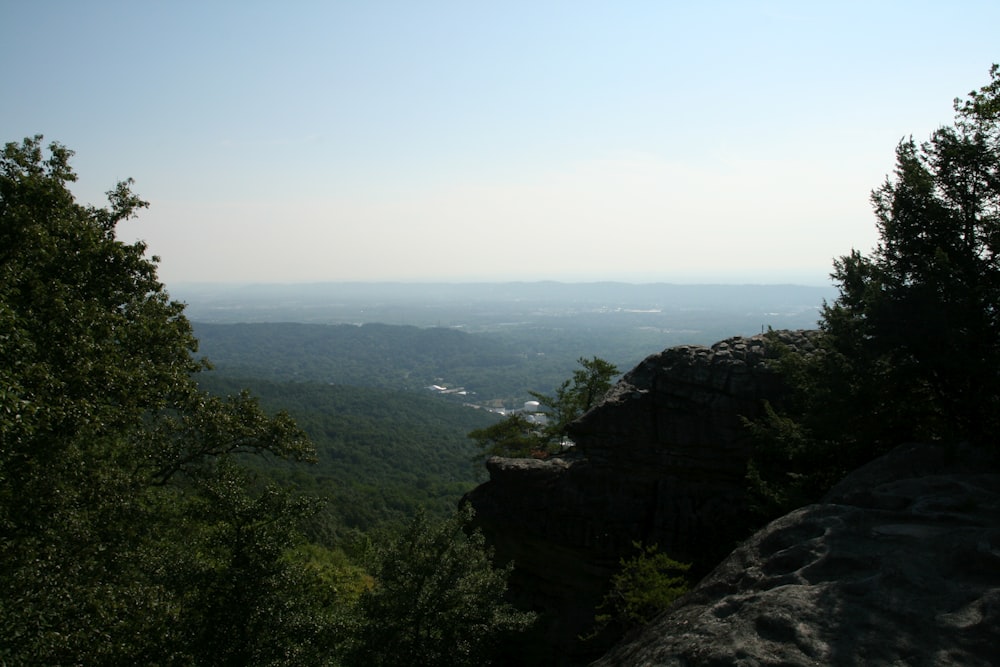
x: 899, y: 565
x: 660, y: 460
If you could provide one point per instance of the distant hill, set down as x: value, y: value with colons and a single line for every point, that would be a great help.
x: 489, y: 306
x: 524, y: 336
x: 372, y: 355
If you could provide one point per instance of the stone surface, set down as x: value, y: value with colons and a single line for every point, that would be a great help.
x: 900, y: 565
x: 661, y: 460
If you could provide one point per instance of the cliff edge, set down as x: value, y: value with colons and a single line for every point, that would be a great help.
x: 661, y: 460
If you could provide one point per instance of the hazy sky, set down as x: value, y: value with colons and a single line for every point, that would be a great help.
x: 426, y: 140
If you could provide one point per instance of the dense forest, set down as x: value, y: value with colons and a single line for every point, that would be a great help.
x: 380, y: 454
x: 155, y: 512
x: 375, y: 355
x: 146, y: 520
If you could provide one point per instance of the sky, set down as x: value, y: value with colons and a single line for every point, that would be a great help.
x: 416, y: 141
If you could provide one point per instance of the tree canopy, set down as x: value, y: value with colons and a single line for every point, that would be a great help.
x: 437, y: 599
x: 919, y: 317
x: 134, y: 526
x: 911, y: 346
x: 130, y: 529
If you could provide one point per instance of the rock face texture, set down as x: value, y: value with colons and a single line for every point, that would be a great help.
x: 900, y: 565
x: 661, y: 460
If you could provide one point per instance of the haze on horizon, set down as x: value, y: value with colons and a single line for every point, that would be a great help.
x: 455, y: 141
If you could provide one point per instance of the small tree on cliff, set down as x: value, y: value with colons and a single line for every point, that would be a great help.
x: 518, y: 436
x: 514, y: 436
x: 576, y: 395
x: 645, y: 585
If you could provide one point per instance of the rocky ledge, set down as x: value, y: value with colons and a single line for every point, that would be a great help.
x: 661, y: 460
x: 900, y: 565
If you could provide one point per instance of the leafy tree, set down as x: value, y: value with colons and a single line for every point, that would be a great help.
x: 249, y: 598
x: 437, y: 599
x: 514, y: 436
x: 919, y: 318
x: 647, y: 584
x: 128, y: 525
x: 520, y: 436
x: 576, y: 395
x: 911, y: 346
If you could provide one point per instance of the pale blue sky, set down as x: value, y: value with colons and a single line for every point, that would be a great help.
x: 636, y: 141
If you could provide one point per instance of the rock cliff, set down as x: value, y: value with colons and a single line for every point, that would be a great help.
x: 661, y: 460
x: 900, y: 565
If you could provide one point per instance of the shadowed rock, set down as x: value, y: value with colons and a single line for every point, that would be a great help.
x: 661, y: 460
x: 900, y: 565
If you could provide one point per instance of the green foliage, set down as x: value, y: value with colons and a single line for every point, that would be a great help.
x: 575, y: 396
x: 790, y: 465
x: 247, y: 598
x: 493, y: 366
x: 800, y: 446
x: 333, y: 573
x: 919, y: 318
x: 131, y: 532
x: 911, y: 345
x: 514, y: 436
x: 647, y: 584
x: 437, y: 600
x: 380, y: 454
x: 371, y: 355
x: 520, y: 436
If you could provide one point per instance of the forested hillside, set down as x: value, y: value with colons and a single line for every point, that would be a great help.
x: 493, y: 367
x: 371, y: 355
x: 140, y: 518
x: 380, y: 454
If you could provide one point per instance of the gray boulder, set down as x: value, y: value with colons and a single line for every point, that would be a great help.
x: 899, y: 565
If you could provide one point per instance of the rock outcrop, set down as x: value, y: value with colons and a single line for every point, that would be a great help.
x: 899, y: 565
x: 661, y: 460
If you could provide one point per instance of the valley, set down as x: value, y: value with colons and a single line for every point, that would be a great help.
x: 356, y: 365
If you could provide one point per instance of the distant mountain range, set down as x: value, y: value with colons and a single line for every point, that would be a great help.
x: 484, y: 306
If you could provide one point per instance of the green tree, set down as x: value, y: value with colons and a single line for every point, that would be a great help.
x: 514, y: 436
x: 249, y: 599
x: 437, y: 600
x: 647, y: 584
x: 122, y: 500
x: 575, y: 396
x: 910, y: 347
x: 520, y: 436
x: 919, y: 317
